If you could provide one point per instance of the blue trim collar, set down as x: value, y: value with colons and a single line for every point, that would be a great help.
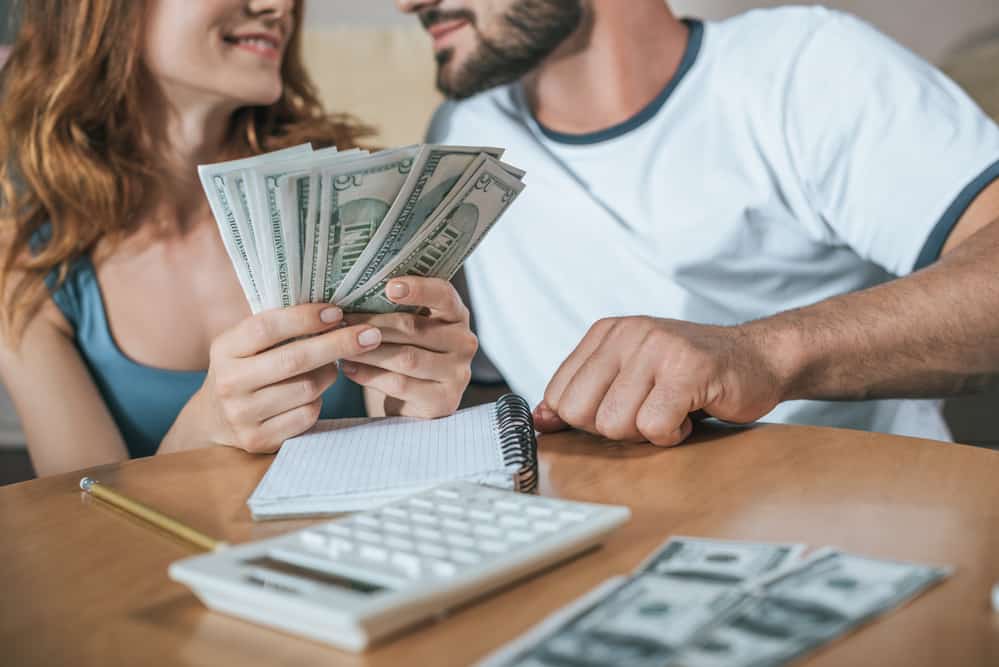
x: 694, y: 41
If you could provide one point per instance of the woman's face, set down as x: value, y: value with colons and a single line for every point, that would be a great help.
x: 218, y: 51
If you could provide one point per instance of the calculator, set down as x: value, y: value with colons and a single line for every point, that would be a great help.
x: 355, y: 580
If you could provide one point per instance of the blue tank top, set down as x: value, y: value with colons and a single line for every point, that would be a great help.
x: 144, y: 401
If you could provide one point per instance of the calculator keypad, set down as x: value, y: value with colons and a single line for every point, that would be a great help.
x: 435, y: 534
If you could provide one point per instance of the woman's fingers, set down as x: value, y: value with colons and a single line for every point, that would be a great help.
x: 435, y: 294
x: 301, y: 356
x: 273, y: 432
x: 408, y: 360
x: 283, y: 396
x: 273, y: 327
x: 419, y: 398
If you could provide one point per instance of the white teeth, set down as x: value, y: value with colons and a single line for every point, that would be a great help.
x: 256, y: 41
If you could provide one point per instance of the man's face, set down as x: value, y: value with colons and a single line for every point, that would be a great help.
x: 480, y: 44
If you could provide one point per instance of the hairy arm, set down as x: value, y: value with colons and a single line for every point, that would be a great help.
x: 933, y: 333
x: 65, y: 421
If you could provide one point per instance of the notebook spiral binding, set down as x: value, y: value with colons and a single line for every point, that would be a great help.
x: 515, y: 429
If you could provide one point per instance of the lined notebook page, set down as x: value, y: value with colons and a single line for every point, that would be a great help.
x: 333, y: 461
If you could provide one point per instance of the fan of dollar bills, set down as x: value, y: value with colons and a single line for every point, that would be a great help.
x: 327, y: 226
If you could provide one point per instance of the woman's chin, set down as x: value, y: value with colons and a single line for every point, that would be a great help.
x: 259, y: 96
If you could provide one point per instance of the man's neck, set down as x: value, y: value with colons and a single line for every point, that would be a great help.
x: 612, y: 68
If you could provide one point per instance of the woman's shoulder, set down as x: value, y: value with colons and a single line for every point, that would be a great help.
x: 68, y: 287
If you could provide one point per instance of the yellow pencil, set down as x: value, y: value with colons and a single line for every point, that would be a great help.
x: 162, y: 521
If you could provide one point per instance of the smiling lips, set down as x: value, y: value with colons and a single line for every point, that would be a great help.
x: 263, y: 44
x: 440, y: 30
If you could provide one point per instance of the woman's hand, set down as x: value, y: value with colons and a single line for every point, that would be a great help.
x: 424, y: 362
x: 264, y: 386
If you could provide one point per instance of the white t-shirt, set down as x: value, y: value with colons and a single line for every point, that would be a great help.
x: 798, y: 154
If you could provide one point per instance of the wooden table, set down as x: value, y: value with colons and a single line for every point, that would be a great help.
x: 86, y: 585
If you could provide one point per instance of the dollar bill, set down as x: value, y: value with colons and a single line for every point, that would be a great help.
x: 725, y: 561
x: 236, y: 238
x: 304, y: 226
x: 271, y: 230
x: 446, y: 240
x: 435, y: 172
x: 356, y: 199
x: 793, y: 612
x: 652, y: 617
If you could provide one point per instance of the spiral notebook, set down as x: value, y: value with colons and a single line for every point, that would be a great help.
x: 338, y: 467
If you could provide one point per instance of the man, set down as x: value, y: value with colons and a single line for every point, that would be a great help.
x: 719, y: 213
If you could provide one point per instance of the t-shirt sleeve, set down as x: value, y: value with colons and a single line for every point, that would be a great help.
x: 889, y: 151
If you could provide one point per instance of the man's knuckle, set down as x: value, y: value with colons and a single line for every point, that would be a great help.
x: 610, y: 424
x: 469, y: 345
x: 575, y: 414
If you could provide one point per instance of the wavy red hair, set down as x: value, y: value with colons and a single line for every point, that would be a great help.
x: 77, y: 152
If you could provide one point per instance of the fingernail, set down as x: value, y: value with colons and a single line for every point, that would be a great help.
x: 348, y: 368
x: 369, y: 337
x: 330, y: 315
x: 397, y: 290
x: 544, y: 412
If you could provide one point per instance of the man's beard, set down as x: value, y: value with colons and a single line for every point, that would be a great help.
x: 529, y: 32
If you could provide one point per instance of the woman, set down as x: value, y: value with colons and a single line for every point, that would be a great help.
x: 117, y: 289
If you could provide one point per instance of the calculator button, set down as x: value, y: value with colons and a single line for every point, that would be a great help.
x: 454, y: 524
x: 460, y: 540
x: 512, y: 521
x: 427, y: 534
x: 571, y: 516
x: 463, y: 556
x: 546, y: 526
x: 519, y: 536
x: 398, y: 543
x: 450, y: 509
x: 337, y: 529
x: 421, y: 502
x: 338, y: 546
x: 424, y: 518
x: 394, y: 527
x: 313, y: 539
x: 443, y: 568
x: 366, y: 520
x: 408, y: 563
x: 374, y: 553
x: 481, y: 515
x: 493, y: 546
x: 431, y: 549
x: 533, y: 510
x: 488, y: 531
x: 447, y: 493
x: 507, y: 505
x: 368, y: 536
x: 395, y: 512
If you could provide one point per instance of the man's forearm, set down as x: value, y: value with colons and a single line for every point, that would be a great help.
x: 933, y: 333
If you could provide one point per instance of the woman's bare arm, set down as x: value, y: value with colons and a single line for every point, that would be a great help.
x: 65, y: 420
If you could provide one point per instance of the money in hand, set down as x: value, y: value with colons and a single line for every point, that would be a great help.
x: 314, y: 226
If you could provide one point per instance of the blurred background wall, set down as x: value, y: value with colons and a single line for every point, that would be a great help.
x: 372, y: 32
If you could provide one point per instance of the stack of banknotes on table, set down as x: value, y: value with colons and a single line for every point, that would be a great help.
x: 310, y: 226
x: 711, y: 603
